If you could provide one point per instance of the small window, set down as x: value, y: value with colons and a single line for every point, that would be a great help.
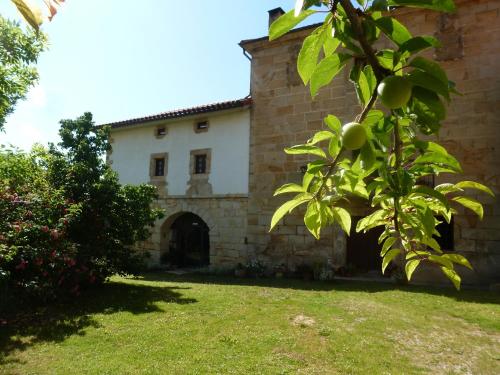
x: 201, y: 126
x: 200, y: 164
x: 160, y: 167
x: 161, y: 131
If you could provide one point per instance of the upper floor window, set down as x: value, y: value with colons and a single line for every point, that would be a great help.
x: 159, y: 167
x: 201, y: 126
x: 160, y: 131
x: 200, y: 164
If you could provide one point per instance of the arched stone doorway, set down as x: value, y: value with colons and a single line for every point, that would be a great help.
x: 186, y: 241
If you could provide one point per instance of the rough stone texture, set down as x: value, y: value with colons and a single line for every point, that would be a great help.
x: 226, y: 217
x: 283, y: 114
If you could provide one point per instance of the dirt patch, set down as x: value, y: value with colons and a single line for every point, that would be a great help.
x: 303, y: 321
x: 466, y: 350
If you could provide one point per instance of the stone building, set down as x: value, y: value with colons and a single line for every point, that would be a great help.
x: 281, y: 113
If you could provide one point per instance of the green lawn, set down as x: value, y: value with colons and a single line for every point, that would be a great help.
x: 163, y: 324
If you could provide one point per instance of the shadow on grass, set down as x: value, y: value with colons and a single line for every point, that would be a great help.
x: 22, y: 324
x: 466, y: 295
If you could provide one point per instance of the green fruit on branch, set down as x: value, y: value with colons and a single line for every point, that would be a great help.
x: 394, y: 91
x: 353, y: 136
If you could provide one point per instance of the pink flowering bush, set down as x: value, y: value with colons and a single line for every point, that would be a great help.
x: 65, y: 221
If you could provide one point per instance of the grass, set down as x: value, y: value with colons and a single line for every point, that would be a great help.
x: 164, y: 324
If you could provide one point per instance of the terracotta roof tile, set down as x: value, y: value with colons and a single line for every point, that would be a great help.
x: 178, y: 113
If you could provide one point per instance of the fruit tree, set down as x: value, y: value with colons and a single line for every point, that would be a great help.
x: 392, y: 135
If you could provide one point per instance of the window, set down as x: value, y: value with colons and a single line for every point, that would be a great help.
x: 160, y: 131
x: 201, y: 126
x: 200, y: 164
x: 159, y: 167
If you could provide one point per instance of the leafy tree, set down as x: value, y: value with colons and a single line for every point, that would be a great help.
x: 112, y: 217
x: 66, y: 220
x: 19, y: 51
x: 381, y: 156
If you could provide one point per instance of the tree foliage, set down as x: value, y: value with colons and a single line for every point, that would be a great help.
x: 388, y: 169
x: 66, y: 220
x: 19, y: 51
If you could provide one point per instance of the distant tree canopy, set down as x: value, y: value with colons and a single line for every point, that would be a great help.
x: 19, y: 52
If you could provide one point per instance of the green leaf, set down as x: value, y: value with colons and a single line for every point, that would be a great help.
x: 474, y: 185
x: 331, y: 43
x: 427, y: 191
x: 307, y: 179
x: 439, y: 5
x: 373, y: 117
x: 360, y: 81
x: 315, y: 166
x: 429, y: 109
x: 387, y: 245
x: 394, y: 30
x: 287, y: 207
x: 320, y: 136
x: 305, y: 149
x: 386, y: 58
x: 439, y: 259
x: 334, y: 147
x: 458, y: 259
x: 379, y: 5
x: 453, y: 276
x: 308, y: 55
x: 410, y: 267
x: 420, y: 78
x: 287, y: 22
x: 471, y: 204
x: 388, y: 257
x: 328, y: 68
x: 343, y: 217
x: 370, y: 78
x: 419, y: 43
x: 428, y: 222
x: 367, y: 156
x: 333, y: 123
x: 432, y: 243
x: 373, y: 220
x: 289, y: 188
x: 312, y: 218
x: 430, y: 67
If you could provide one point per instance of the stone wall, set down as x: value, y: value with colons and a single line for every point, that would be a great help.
x: 283, y: 114
x: 226, y: 218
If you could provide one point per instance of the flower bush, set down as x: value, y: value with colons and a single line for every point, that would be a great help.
x: 66, y: 222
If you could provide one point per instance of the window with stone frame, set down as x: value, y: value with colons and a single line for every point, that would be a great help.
x: 160, y: 131
x: 199, y: 171
x: 158, y: 167
x: 200, y: 164
x: 201, y: 126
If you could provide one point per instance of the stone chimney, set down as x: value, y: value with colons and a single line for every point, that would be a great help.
x: 274, y: 14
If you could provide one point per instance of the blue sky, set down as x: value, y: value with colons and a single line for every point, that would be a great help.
x: 123, y: 59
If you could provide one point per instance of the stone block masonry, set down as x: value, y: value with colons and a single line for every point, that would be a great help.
x: 283, y: 114
x: 226, y: 217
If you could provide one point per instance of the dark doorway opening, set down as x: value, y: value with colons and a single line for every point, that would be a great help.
x: 189, y: 242
x: 363, y: 249
x: 446, y: 231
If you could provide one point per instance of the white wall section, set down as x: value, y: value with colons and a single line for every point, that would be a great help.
x: 228, y: 137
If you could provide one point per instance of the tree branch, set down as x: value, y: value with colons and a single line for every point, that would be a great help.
x: 360, y: 36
